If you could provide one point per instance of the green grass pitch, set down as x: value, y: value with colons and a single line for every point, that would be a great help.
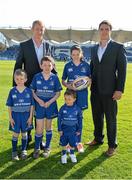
x: 92, y: 164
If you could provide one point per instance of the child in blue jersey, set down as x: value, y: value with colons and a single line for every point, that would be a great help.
x: 20, y: 103
x: 69, y: 125
x: 77, y: 67
x: 46, y: 90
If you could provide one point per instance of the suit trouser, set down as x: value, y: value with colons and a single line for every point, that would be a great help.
x: 103, y: 105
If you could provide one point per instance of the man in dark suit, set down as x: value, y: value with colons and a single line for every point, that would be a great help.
x: 31, y: 53
x: 108, y: 69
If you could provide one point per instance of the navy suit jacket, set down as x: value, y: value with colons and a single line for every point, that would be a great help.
x: 108, y: 75
x: 27, y: 59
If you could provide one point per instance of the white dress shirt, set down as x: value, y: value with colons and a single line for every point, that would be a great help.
x: 101, y: 50
x: 39, y: 50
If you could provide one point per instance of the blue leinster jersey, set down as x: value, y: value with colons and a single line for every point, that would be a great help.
x: 70, y: 119
x: 20, y: 101
x: 72, y: 72
x: 45, y: 89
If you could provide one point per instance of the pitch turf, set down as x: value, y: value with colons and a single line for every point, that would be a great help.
x: 92, y: 164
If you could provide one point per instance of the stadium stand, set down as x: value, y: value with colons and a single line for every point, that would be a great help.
x: 21, y: 34
x: 10, y: 53
x: 3, y: 42
x: 60, y: 40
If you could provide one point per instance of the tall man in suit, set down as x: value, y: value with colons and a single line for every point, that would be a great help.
x: 108, y: 68
x: 31, y: 53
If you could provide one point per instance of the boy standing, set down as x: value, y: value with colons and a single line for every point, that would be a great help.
x: 69, y: 125
x: 20, y: 106
x: 46, y: 90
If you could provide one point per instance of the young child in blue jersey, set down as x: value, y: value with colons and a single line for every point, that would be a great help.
x: 77, y: 67
x: 46, y: 90
x: 20, y: 103
x: 69, y: 125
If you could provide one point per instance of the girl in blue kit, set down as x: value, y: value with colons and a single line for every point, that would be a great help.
x: 46, y: 90
x: 20, y: 104
x: 75, y: 68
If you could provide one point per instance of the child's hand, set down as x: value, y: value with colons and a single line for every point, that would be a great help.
x: 69, y: 86
x: 61, y: 133
x: 12, y: 122
x: 29, y: 122
x: 47, y: 104
x: 41, y: 102
x: 78, y: 133
x: 90, y: 82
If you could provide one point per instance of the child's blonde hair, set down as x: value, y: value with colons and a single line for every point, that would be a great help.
x: 20, y: 72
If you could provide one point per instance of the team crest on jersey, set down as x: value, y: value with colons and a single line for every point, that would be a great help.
x: 64, y: 111
x: 39, y: 82
x: 52, y: 83
x: 27, y: 95
x: 14, y: 96
x: 75, y: 112
x: 83, y: 70
x: 70, y: 69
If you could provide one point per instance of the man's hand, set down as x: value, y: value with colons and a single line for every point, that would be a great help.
x: 117, y: 95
